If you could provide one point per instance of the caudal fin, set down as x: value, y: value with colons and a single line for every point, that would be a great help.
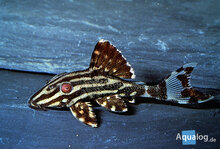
x: 177, y: 88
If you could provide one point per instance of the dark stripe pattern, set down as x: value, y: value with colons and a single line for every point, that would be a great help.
x: 96, y: 85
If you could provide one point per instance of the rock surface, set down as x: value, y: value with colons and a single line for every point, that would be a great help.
x: 149, y: 124
x: 156, y: 37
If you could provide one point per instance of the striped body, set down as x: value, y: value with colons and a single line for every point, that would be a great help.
x: 87, y: 85
x: 105, y: 83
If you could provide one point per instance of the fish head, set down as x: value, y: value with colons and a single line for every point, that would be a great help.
x: 56, y: 93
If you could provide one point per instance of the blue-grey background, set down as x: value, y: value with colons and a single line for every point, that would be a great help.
x: 156, y: 37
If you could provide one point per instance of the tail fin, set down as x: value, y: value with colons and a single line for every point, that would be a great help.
x: 177, y: 88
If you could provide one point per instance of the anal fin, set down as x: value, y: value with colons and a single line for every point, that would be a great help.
x: 113, y: 103
x: 84, y: 113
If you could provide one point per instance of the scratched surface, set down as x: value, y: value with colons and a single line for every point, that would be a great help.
x: 155, y: 36
x: 147, y: 125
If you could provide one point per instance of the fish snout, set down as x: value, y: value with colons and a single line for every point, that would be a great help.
x: 34, y: 105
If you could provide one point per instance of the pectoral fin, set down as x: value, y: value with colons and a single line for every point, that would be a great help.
x: 84, y: 113
x: 112, y: 103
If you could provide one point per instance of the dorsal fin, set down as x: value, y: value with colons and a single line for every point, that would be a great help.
x: 108, y: 59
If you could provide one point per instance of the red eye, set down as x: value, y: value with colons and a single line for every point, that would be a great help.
x: 66, y: 87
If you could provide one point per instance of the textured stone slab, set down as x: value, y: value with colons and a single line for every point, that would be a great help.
x: 149, y: 124
x: 156, y: 37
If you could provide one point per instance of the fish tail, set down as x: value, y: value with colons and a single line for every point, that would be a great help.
x: 177, y: 88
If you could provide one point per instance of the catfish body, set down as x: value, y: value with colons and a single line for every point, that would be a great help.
x: 84, y: 85
x: 104, y: 82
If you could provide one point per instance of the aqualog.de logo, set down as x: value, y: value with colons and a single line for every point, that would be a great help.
x: 189, y: 137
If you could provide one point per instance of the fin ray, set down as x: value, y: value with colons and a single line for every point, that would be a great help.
x: 84, y: 113
x: 177, y: 88
x: 113, y: 103
x: 108, y: 59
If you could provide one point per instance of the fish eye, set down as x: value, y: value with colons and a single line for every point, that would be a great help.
x: 66, y: 88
